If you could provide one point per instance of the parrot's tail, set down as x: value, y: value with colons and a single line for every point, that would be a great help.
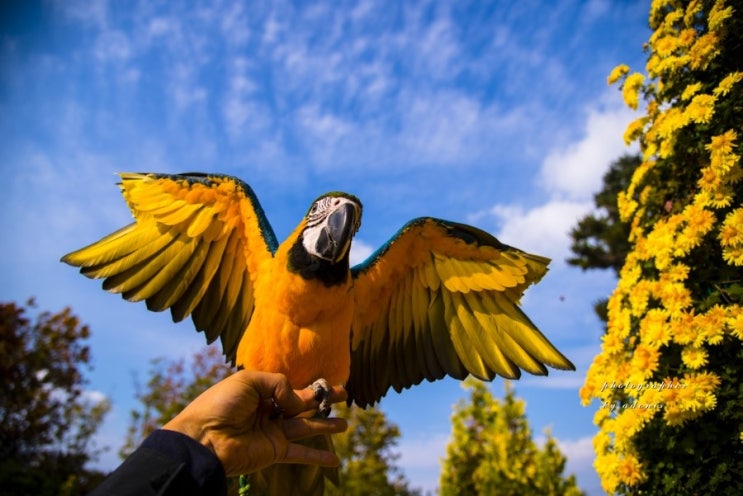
x: 284, y: 479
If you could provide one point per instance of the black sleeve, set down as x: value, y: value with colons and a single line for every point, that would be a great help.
x: 167, y: 463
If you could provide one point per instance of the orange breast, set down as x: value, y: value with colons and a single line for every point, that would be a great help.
x: 300, y: 328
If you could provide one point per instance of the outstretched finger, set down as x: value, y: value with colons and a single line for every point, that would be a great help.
x: 297, y: 453
x: 301, y: 428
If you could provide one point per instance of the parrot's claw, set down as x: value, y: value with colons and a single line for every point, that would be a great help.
x: 322, y: 394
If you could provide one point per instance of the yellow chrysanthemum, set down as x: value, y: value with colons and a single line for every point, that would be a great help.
x: 671, y: 121
x: 710, y: 179
x: 626, y: 205
x: 645, y: 360
x: 638, y: 298
x: 602, y: 440
x: 691, y: 90
x: 733, y: 256
x: 675, y: 298
x: 612, y: 343
x: 735, y: 324
x: 694, y: 357
x: 701, y: 109
x: 617, y: 73
x: 629, y: 470
x: 722, y: 197
x: 698, y: 219
x: 727, y: 83
x: 722, y: 144
x: 666, y: 45
x: 692, y: 10
x: 606, y: 467
x: 731, y: 232
x: 675, y: 273
x: 654, y: 328
x: 710, y: 326
x: 682, y: 329
x: 703, y: 51
x: 687, y: 37
x: 631, y: 89
x: 717, y: 16
x: 634, y: 130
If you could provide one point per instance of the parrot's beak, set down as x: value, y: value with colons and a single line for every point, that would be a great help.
x: 334, y: 241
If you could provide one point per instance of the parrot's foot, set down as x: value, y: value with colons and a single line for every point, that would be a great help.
x: 322, y: 394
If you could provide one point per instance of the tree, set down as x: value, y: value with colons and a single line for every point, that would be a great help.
x: 668, y: 375
x: 46, y: 419
x: 492, y: 450
x: 365, y: 450
x: 170, y: 388
x: 600, y: 239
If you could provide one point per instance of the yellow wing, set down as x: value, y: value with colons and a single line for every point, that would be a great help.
x: 441, y: 298
x: 195, y: 247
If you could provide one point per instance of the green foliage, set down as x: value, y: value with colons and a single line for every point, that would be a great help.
x: 365, y: 450
x: 600, y: 239
x: 704, y: 455
x: 492, y: 450
x: 46, y: 421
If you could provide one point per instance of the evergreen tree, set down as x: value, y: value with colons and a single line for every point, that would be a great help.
x: 668, y: 375
x: 367, y: 459
x: 600, y: 239
x: 492, y: 450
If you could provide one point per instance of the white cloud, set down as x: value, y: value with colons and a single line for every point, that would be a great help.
x: 360, y: 251
x: 580, y: 456
x: 575, y: 170
x: 543, y: 229
x: 93, y: 397
x: 112, y: 46
x: 86, y: 11
x: 420, y: 457
x: 578, y: 451
x: 570, y: 174
x: 423, y: 452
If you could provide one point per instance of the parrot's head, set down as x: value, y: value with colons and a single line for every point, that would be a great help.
x: 331, y: 223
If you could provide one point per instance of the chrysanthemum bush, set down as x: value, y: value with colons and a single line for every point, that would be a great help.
x: 668, y: 378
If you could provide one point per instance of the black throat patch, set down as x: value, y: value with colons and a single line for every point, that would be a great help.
x: 310, y: 267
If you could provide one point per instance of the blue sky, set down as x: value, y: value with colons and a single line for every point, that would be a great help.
x: 493, y: 113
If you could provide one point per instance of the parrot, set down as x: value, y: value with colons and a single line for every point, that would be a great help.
x: 440, y: 298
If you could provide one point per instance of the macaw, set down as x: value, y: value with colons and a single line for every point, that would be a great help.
x: 439, y: 298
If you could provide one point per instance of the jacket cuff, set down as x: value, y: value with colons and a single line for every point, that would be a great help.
x: 195, y: 459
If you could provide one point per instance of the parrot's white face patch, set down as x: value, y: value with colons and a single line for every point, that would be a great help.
x: 322, y: 231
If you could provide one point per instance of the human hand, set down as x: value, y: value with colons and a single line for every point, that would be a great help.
x: 238, y: 420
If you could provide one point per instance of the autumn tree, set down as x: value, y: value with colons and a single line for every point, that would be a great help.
x: 366, y: 453
x: 668, y: 375
x: 46, y: 419
x: 491, y: 450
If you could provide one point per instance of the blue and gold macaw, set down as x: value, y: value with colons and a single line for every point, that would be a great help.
x: 439, y: 298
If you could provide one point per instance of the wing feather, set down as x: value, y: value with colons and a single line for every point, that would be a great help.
x: 441, y: 298
x: 173, y: 288
x: 195, y: 247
